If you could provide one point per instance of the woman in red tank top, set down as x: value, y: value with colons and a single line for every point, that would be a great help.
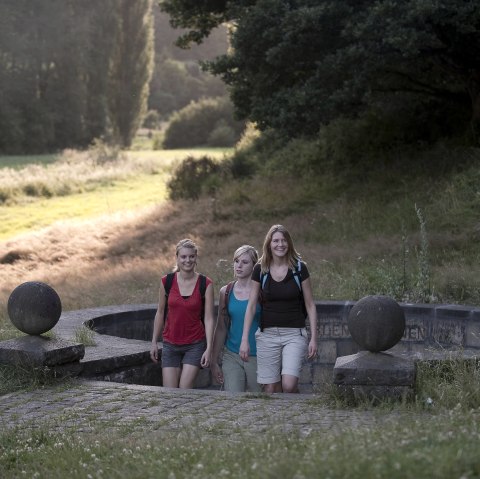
x: 188, y: 326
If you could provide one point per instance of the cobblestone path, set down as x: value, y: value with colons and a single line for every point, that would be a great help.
x: 83, y: 406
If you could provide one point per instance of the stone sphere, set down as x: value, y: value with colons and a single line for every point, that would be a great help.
x: 34, y: 307
x: 376, y: 323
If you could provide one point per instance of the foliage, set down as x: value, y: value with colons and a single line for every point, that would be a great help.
x: 175, y: 84
x: 29, y: 377
x: 452, y: 381
x: 195, y: 125
x: 151, y: 120
x: 177, y: 77
x: 312, y: 62
x: 85, y: 336
x: 58, y: 94
x: 193, y: 177
x: 131, y: 69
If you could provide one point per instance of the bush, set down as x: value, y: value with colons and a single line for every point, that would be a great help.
x: 151, y: 120
x: 194, y: 177
x: 221, y: 135
x: 195, y: 124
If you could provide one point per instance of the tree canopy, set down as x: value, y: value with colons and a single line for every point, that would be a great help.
x: 297, y: 64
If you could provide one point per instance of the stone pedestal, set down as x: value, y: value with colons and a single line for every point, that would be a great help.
x: 40, y: 351
x: 375, y: 376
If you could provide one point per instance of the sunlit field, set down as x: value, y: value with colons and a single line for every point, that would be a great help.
x: 39, y: 194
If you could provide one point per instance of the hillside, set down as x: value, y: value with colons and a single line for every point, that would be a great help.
x: 354, y: 244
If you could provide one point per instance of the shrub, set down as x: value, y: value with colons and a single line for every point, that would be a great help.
x: 101, y: 152
x: 194, y: 124
x: 152, y: 120
x: 193, y: 177
x: 221, y: 135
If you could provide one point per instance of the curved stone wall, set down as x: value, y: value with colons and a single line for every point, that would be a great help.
x: 427, y: 326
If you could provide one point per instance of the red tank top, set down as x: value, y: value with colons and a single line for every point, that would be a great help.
x: 183, y: 324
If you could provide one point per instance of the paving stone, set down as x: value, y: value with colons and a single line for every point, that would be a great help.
x: 215, y: 411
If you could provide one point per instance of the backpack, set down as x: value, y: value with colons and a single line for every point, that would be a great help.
x: 226, y: 316
x: 297, y: 276
x: 168, y: 286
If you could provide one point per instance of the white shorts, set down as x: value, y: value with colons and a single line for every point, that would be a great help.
x: 280, y: 351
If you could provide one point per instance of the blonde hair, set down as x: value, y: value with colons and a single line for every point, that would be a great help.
x: 292, y: 255
x: 184, y: 243
x: 246, y: 248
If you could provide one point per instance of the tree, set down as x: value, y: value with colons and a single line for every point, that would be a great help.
x: 131, y: 68
x: 177, y: 78
x: 71, y: 71
x: 297, y: 64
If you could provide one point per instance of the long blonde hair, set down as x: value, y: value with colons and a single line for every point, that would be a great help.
x: 292, y: 255
x: 184, y: 243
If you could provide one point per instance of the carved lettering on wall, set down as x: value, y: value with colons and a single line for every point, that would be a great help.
x: 333, y: 328
x: 448, y: 332
x: 415, y: 332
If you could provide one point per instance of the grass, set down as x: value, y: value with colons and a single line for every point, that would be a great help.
x: 429, y: 448
x: 75, y: 188
x: 120, y: 195
x: 85, y: 336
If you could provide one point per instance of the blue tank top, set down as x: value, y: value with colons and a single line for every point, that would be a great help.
x: 236, y: 310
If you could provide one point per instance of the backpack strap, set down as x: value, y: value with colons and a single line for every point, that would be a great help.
x: 297, y: 275
x: 168, y: 287
x: 203, y: 289
x: 226, y: 316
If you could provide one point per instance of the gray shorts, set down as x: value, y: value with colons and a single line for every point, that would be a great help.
x: 173, y: 355
x: 280, y: 351
x: 238, y: 375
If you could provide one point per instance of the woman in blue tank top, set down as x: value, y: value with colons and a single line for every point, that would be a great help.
x: 236, y: 375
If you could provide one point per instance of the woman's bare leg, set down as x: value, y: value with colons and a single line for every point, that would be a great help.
x: 272, y: 388
x: 188, y: 375
x: 171, y: 377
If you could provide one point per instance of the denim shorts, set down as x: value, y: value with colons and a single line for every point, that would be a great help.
x: 280, y: 351
x: 173, y: 355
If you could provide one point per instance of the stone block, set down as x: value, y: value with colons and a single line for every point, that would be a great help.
x: 327, y: 352
x: 40, y: 351
x: 374, y: 369
x: 347, y: 347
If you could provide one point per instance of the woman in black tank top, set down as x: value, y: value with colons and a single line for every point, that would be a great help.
x: 282, y: 282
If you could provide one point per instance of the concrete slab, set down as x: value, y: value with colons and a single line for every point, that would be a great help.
x: 374, y: 369
x: 40, y: 351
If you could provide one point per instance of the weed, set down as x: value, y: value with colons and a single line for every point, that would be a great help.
x: 24, y: 376
x: 84, y: 335
x: 451, y: 381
